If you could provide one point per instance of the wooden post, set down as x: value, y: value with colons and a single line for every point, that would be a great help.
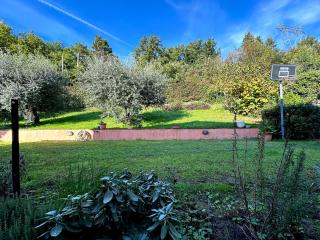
x: 15, y: 146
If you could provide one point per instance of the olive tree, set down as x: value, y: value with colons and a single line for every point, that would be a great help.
x: 122, y: 90
x: 34, y: 80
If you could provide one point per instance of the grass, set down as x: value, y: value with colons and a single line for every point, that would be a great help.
x: 198, y: 165
x: 216, y: 117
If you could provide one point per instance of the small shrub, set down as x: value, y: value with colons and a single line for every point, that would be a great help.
x: 18, y: 217
x: 172, y: 107
x: 123, y: 207
x: 273, y: 207
x: 6, y: 176
x: 186, y: 106
x: 196, y: 106
x: 301, y: 121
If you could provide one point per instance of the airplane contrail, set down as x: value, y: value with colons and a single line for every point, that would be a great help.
x: 84, y: 22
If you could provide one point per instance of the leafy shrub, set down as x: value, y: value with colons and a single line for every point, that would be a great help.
x: 172, y: 107
x: 6, y: 176
x: 246, y: 89
x: 291, y: 98
x: 196, y: 106
x: 124, y: 207
x: 301, y: 121
x: 18, y: 216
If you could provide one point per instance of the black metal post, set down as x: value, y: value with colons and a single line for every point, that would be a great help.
x: 281, y: 111
x: 15, y: 146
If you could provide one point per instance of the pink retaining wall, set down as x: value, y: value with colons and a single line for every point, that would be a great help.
x: 42, y: 135
x: 130, y: 134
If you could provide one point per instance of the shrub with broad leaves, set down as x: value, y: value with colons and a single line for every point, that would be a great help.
x: 124, y: 207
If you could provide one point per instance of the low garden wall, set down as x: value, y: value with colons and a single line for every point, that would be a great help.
x: 129, y: 134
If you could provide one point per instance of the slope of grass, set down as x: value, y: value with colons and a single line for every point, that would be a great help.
x: 197, y: 165
x: 216, y: 117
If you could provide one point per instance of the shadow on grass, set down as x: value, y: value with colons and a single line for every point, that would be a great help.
x: 77, y: 118
x: 162, y: 119
x: 159, y: 116
x: 196, y: 124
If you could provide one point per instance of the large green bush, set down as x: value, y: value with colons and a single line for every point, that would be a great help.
x: 302, y: 121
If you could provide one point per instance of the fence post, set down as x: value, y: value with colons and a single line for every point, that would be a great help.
x: 15, y: 146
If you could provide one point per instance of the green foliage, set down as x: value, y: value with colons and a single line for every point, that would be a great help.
x: 301, y: 121
x: 29, y: 43
x: 34, y: 80
x: 307, y: 57
x: 122, y: 90
x: 291, y: 98
x: 266, y: 127
x: 196, y: 82
x: 247, y: 89
x: 254, y: 51
x: 101, y: 46
x: 123, y: 207
x: 18, y: 216
x: 149, y: 50
x: 7, y: 40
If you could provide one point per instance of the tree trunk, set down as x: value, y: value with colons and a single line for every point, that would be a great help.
x: 32, y: 116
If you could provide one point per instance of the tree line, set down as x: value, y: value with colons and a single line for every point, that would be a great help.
x: 42, y: 73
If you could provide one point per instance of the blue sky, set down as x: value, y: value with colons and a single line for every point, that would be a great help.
x: 124, y: 22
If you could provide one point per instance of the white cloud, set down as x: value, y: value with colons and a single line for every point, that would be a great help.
x: 275, y: 5
x: 201, y: 17
x: 307, y: 14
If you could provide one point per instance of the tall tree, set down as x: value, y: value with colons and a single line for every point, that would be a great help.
x: 254, y: 51
x: 210, y: 48
x: 7, y: 39
x: 149, y: 50
x: 101, y: 46
x: 29, y: 43
x: 307, y: 57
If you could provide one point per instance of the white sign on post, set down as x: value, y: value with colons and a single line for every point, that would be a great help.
x: 281, y: 72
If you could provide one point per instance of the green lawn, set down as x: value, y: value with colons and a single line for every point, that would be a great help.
x: 198, y: 165
x: 216, y: 117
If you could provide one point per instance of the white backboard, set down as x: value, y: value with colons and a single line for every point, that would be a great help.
x: 281, y: 72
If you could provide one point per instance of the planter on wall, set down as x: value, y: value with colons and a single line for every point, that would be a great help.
x: 267, y: 136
